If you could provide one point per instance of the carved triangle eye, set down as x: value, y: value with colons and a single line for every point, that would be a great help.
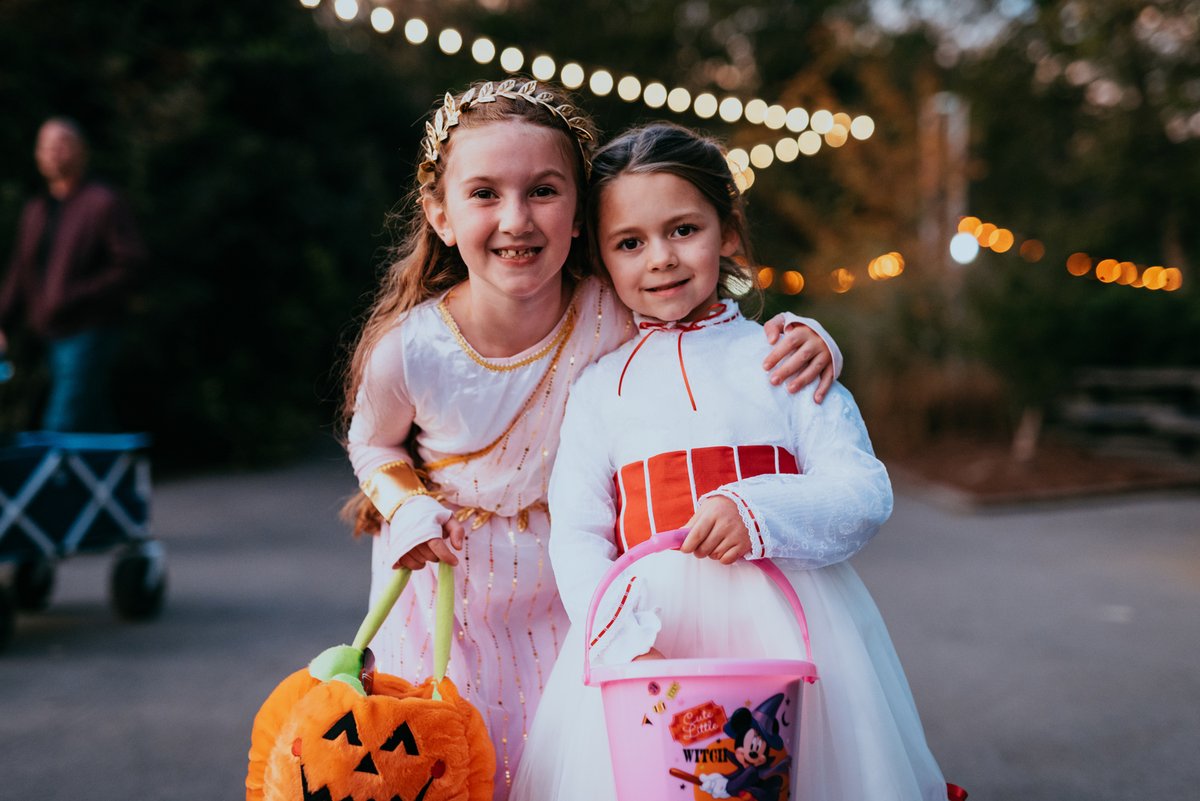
x: 401, y: 736
x: 345, y: 725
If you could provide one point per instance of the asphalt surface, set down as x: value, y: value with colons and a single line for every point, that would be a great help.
x: 1053, y: 651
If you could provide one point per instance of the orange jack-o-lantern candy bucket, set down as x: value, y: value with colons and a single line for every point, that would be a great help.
x: 337, y: 730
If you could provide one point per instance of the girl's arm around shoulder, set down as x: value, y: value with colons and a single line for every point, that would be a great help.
x: 797, y: 355
x: 835, y: 505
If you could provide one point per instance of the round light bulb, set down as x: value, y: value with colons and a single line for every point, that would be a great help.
x: 416, y: 31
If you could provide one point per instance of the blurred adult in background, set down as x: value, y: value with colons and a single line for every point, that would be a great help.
x: 76, y: 253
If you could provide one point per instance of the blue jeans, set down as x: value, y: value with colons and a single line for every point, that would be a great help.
x: 80, y: 381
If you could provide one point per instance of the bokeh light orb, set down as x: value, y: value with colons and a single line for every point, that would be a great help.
x: 1079, y: 264
x: 1032, y: 250
x: 416, y: 31
x: 797, y: 119
x: 791, y: 283
x: 572, y: 75
x: 601, y: 83
x: 629, y: 88
x: 543, y: 68
x: 756, y: 111
x: 842, y: 280
x: 450, y: 41
x: 861, y: 127
x: 382, y: 20
x: 809, y: 142
x: 761, y: 156
x: 821, y: 121
x: 655, y: 95
x: 705, y: 105
x: 679, y: 99
x: 787, y: 150
x: 964, y: 247
x: 731, y: 109
x: 511, y: 59
x: 483, y: 50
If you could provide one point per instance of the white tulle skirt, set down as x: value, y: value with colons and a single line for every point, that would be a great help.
x: 861, y: 738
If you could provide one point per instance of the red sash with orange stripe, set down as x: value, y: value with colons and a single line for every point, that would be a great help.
x: 659, y: 493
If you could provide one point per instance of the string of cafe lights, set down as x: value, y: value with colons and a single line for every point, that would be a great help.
x: 974, y: 234
x: 807, y: 132
x: 841, y: 279
x: 811, y: 132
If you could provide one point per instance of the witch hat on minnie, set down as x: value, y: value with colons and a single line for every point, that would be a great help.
x: 762, y: 719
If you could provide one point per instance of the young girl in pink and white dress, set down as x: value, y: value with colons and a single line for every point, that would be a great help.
x: 478, y: 330
x: 672, y: 430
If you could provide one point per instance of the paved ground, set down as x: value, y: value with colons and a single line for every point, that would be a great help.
x: 1053, y: 651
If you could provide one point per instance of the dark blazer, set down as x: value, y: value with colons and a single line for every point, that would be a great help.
x: 89, y: 269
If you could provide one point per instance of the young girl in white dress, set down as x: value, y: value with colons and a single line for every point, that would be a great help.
x: 479, y: 328
x: 672, y: 430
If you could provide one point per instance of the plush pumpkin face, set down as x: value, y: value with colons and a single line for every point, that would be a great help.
x: 339, y: 745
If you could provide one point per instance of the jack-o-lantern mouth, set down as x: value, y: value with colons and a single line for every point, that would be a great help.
x: 325, y: 794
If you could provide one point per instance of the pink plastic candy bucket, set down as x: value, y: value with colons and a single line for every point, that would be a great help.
x: 700, y: 729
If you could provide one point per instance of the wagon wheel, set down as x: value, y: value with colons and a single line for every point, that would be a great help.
x: 8, y: 615
x: 32, y: 584
x: 139, y: 581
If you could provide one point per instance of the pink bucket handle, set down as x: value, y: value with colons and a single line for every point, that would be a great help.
x: 668, y: 541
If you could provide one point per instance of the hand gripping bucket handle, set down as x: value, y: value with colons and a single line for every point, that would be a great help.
x: 667, y: 541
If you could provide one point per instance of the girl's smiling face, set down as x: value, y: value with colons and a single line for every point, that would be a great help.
x: 510, y: 205
x: 662, y: 244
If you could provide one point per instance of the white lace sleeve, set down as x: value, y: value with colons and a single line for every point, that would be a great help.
x: 582, y: 544
x: 834, y: 507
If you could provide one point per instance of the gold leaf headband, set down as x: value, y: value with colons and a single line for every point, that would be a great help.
x: 438, y: 129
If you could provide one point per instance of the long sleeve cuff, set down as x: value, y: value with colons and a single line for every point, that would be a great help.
x: 822, y: 527
x: 755, y: 522
x: 419, y: 520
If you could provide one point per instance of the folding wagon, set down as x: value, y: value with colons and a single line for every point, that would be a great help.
x: 66, y: 494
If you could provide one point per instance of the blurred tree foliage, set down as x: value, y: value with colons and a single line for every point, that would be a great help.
x: 1076, y: 121
x: 264, y: 144
x: 260, y: 158
x: 1085, y: 135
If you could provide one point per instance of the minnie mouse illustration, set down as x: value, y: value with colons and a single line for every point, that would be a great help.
x: 754, y: 732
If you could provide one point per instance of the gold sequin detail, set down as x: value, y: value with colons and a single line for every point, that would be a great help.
x: 559, y: 343
x: 563, y: 334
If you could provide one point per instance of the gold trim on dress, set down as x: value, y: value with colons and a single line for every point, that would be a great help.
x: 559, y: 342
x: 564, y: 332
x: 479, y: 516
x: 391, y: 485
